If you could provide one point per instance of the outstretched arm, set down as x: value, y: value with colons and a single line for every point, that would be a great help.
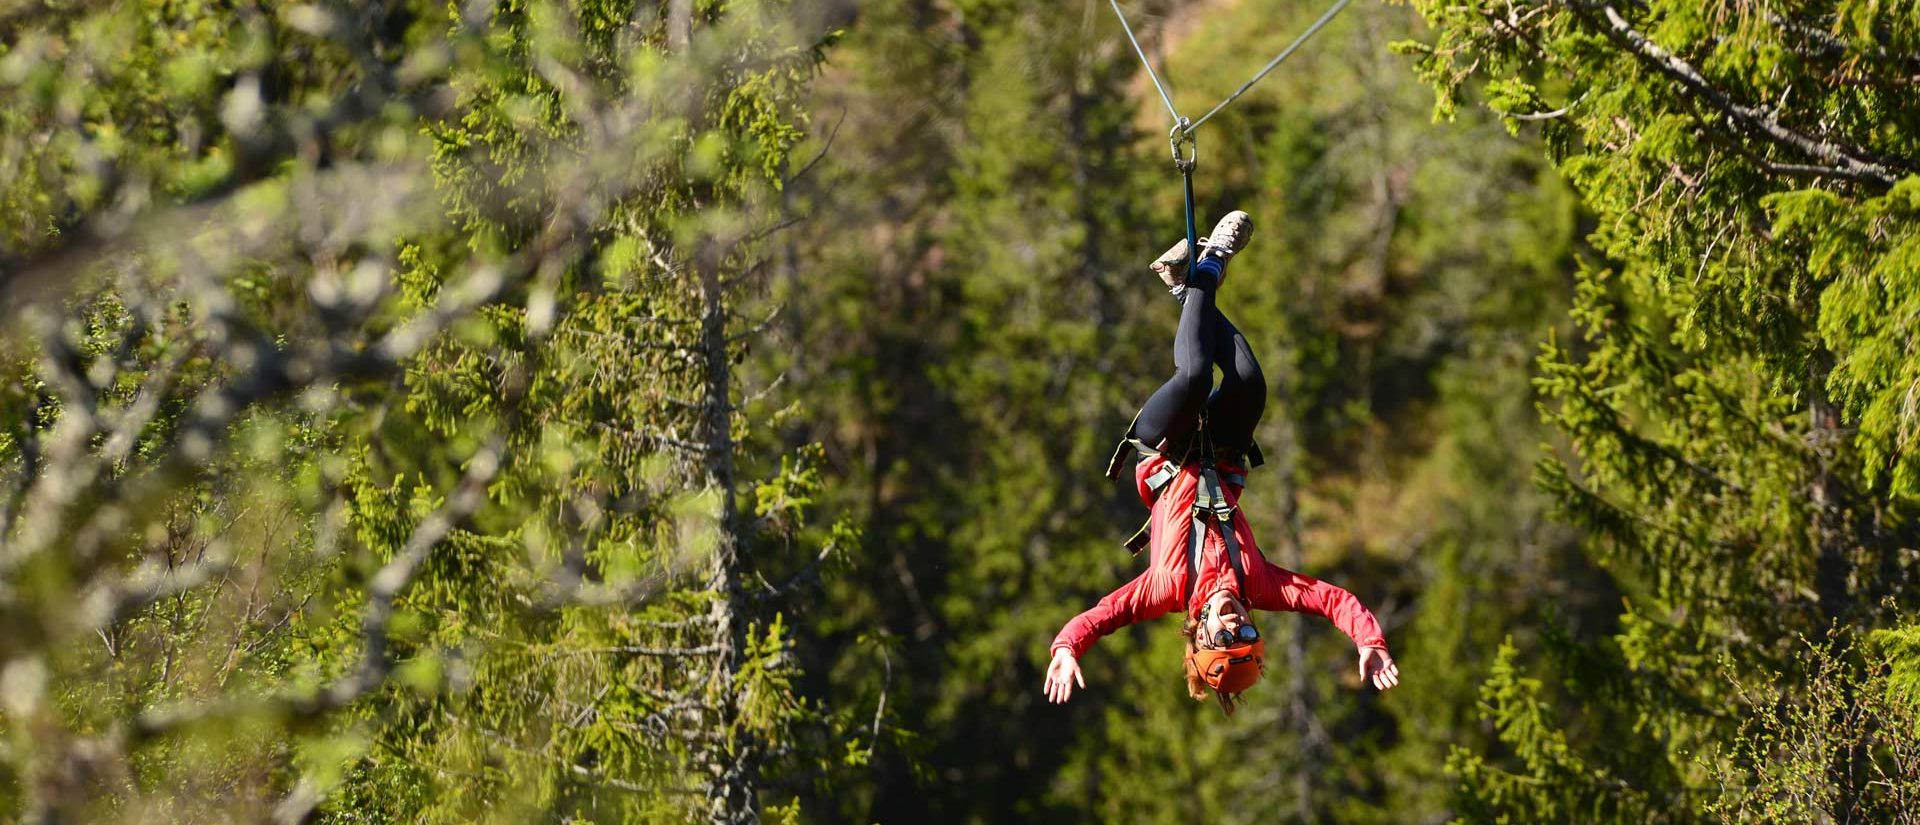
x: 1281, y: 589
x: 1277, y: 588
x: 1131, y: 603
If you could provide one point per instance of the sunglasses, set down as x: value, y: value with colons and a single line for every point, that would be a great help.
x: 1246, y: 635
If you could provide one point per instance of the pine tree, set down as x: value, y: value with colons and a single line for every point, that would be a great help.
x: 1735, y: 438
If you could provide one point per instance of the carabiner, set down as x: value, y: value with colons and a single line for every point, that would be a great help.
x: 1183, y: 133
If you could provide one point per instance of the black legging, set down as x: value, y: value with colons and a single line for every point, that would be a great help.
x: 1205, y: 338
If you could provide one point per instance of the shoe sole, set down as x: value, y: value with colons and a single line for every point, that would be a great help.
x: 1171, y: 266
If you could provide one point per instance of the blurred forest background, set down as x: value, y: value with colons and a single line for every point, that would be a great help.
x: 695, y: 411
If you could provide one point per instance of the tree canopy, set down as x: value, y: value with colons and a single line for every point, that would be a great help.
x: 607, y: 411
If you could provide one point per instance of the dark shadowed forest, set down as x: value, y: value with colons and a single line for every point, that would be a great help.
x: 613, y: 411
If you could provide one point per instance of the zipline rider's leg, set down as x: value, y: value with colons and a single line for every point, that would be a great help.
x: 1237, y: 403
x: 1173, y: 409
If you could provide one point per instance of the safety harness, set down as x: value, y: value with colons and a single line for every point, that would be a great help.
x: 1210, y: 500
x: 1210, y: 511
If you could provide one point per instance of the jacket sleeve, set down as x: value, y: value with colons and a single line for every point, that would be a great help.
x: 1293, y: 592
x: 1131, y: 603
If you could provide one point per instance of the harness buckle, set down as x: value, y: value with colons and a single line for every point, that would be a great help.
x: 1211, y: 498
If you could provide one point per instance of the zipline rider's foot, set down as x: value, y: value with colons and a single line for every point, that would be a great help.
x: 1229, y: 236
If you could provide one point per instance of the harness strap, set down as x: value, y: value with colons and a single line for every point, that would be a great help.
x: 1209, y: 498
x: 1250, y: 459
x: 1216, y: 500
x: 1212, y: 501
x: 1157, y: 481
x: 1120, y: 451
x: 1159, y: 478
x: 1129, y: 444
x: 1233, y: 555
x: 1177, y: 453
x: 1196, y: 544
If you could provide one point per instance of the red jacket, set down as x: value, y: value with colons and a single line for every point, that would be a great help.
x: 1161, y: 587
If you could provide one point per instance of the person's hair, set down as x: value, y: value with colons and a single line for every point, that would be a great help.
x: 1196, y: 685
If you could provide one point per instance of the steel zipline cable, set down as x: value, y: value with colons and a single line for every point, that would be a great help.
x: 1144, y: 61
x: 1185, y: 129
x: 1182, y: 132
x: 1271, y: 64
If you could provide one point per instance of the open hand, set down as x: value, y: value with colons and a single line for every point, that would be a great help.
x: 1062, y: 675
x: 1376, y: 665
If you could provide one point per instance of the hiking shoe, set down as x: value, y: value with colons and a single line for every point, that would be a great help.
x: 1229, y: 236
x: 1171, y: 266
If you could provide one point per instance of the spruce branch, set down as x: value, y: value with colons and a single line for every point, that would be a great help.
x: 1848, y: 162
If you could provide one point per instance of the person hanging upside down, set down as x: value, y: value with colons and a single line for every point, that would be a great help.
x: 1197, y: 443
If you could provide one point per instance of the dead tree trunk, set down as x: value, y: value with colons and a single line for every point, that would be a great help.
x: 731, y: 798
x: 679, y: 25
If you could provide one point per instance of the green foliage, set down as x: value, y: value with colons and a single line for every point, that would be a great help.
x: 1733, y: 403
x: 1556, y: 784
x: 976, y: 326
x: 1902, y: 646
x: 761, y: 479
x: 1810, y: 736
x: 596, y: 712
x: 1865, y: 253
x: 590, y: 637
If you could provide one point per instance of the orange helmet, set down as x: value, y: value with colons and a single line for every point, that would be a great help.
x: 1230, y: 670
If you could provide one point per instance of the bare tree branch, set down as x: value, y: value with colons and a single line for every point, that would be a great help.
x: 1848, y: 162
x: 385, y: 587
